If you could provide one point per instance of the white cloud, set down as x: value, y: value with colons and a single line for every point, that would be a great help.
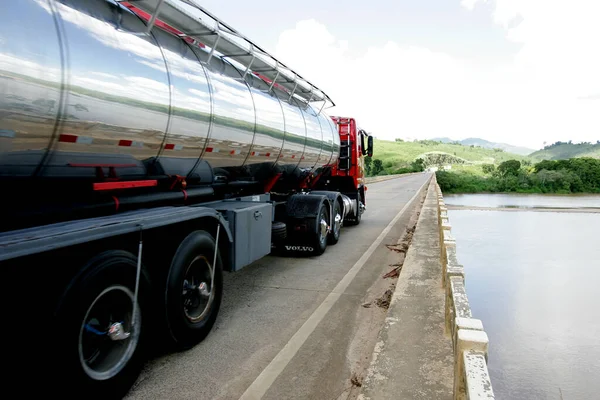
x: 468, y: 4
x: 547, y: 92
x: 19, y: 65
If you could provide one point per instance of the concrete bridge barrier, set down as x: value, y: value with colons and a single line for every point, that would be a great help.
x: 469, y: 340
x: 375, y: 179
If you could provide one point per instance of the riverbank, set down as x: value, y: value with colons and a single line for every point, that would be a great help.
x: 579, y: 175
x: 592, y: 210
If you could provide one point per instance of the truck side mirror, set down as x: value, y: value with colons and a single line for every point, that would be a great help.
x: 363, y: 148
x: 370, y: 146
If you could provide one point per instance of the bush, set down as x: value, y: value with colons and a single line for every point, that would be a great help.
x: 562, y: 176
x: 377, y: 166
x: 368, y: 162
x: 574, y: 175
x: 488, y: 168
x: 510, y: 167
x: 464, y: 182
x: 418, y: 165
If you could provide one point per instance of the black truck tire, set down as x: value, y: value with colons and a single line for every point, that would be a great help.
x: 191, y: 304
x: 98, y: 301
x: 336, y: 228
x: 278, y: 233
x: 319, y: 239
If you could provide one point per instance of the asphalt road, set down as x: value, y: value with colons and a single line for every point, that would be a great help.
x: 295, y: 328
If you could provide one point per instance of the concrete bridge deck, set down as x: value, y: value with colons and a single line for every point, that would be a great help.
x: 296, y: 328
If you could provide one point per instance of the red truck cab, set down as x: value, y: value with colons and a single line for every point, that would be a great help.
x: 347, y: 175
x: 355, y: 145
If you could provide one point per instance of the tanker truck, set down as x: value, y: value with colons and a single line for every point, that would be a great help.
x: 145, y: 148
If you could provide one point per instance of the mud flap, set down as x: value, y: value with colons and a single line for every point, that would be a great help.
x: 302, y: 212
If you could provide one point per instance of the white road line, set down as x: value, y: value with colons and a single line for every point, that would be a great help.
x: 263, y: 382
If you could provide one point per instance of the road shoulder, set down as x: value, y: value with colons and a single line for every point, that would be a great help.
x: 413, y: 357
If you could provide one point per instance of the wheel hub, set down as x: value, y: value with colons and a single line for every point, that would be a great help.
x: 337, y: 222
x: 108, y: 337
x: 324, y: 228
x: 197, y: 294
x: 117, y: 332
x: 203, y: 289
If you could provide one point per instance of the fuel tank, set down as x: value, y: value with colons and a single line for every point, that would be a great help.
x: 82, y: 84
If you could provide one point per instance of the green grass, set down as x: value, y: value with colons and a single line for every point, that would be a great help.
x: 469, y: 169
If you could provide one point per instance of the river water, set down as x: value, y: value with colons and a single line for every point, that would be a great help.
x: 533, y: 278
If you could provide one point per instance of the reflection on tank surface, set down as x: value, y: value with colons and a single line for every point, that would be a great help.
x: 123, y: 93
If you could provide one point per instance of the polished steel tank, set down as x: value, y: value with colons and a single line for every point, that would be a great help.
x: 82, y: 83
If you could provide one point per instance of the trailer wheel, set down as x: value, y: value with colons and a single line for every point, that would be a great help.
x: 334, y: 235
x: 99, y: 343
x: 192, y: 301
x: 319, y: 242
x: 278, y: 233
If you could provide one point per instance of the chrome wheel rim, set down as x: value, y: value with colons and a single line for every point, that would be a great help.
x: 323, y: 228
x: 337, y: 224
x: 107, y: 337
x: 197, y: 293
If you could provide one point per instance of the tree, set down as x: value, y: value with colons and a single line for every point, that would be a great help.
x: 545, y: 164
x: 368, y: 163
x: 418, y: 165
x: 558, y: 181
x: 510, y: 167
x: 377, y: 166
x: 488, y: 168
x: 399, y: 140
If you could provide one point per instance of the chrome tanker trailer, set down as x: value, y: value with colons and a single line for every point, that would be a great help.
x: 145, y: 147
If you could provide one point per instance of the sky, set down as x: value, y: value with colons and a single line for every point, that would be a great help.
x: 523, y: 72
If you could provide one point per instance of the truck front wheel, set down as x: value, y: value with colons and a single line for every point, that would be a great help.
x: 334, y: 235
x: 99, y: 336
x: 355, y: 219
x: 194, y: 290
x: 319, y: 241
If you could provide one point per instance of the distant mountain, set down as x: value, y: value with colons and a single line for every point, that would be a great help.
x: 488, y: 145
x: 444, y: 140
x: 562, y: 151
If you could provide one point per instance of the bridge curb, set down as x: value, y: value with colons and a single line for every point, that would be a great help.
x: 413, y: 358
x: 430, y: 346
x: 469, y: 340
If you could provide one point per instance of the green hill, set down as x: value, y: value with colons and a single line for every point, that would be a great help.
x: 486, y: 144
x: 563, y: 151
x: 397, y: 155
